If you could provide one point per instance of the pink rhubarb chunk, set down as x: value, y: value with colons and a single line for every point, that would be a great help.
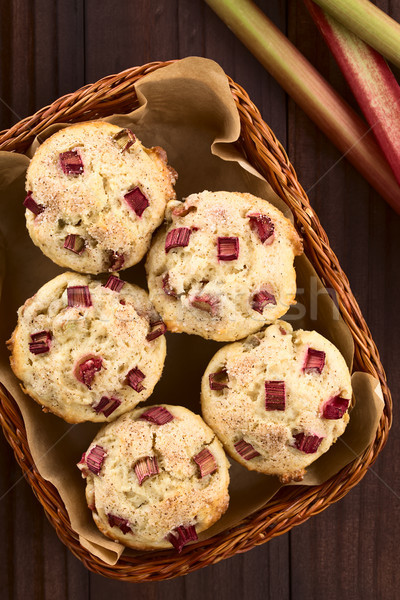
x: 82, y: 466
x: 206, y: 462
x: 275, y: 395
x: 218, y: 380
x: 207, y: 303
x: 182, y: 211
x: 125, y: 138
x: 181, y: 536
x: 177, y: 238
x: 263, y: 227
x: 106, y: 406
x: 40, y: 343
x: 117, y: 261
x: 158, y: 415
x: 246, y: 450
x: 314, y: 362
x: 137, y: 201
x: 95, y: 459
x: 145, y: 468
x: 228, y: 248
x: 71, y: 163
x: 79, y: 295
x: 114, y: 283
x: 157, y: 328
x: 87, y: 369
x: 335, y: 408
x: 307, y: 443
x: 123, y: 524
x: 74, y: 243
x: 261, y: 299
x: 166, y: 286
x: 135, y: 378
x: 33, y: 206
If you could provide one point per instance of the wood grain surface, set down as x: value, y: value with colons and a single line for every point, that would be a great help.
x: 351, y: 550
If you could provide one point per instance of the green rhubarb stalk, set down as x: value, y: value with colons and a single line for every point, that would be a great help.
x: 369, y: 23
x: 311, y: 91
x: 372, y: 82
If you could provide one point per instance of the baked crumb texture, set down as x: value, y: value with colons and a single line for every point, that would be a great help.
x: 97, y: 183
x: 100, y: 348
x: 222, y: 267
x: 143, y: 507
x: 271, y: 392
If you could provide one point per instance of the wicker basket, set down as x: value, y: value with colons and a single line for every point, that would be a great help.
x: 292, y: 505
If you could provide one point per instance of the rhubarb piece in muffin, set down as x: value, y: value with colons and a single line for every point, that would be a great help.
x: 88, y: 350
x: 223, y: 265
x: 95, y: 195
x: 155, y: 478
x: 277, y: 400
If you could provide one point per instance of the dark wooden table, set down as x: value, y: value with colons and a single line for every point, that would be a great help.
x: 351, y: 550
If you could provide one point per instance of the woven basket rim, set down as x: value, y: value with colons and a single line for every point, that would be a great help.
x: 291, y: 506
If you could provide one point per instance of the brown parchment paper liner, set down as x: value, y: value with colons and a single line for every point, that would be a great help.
x: 188, y: 109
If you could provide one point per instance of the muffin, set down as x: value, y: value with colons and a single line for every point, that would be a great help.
x: 277, y: 400
x: 155, y: 478
x: 88, y: 350
x: 95, y: 196
x: 223, y: 265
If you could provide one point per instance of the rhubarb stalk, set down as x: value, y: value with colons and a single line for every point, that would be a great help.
x: 370, y: 79
x: 311, y: 92
x: 369, y: 23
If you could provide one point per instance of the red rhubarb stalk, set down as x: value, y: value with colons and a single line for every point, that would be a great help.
x: 370, y: 79
x: 312, y: 93
x: 369, y: 22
